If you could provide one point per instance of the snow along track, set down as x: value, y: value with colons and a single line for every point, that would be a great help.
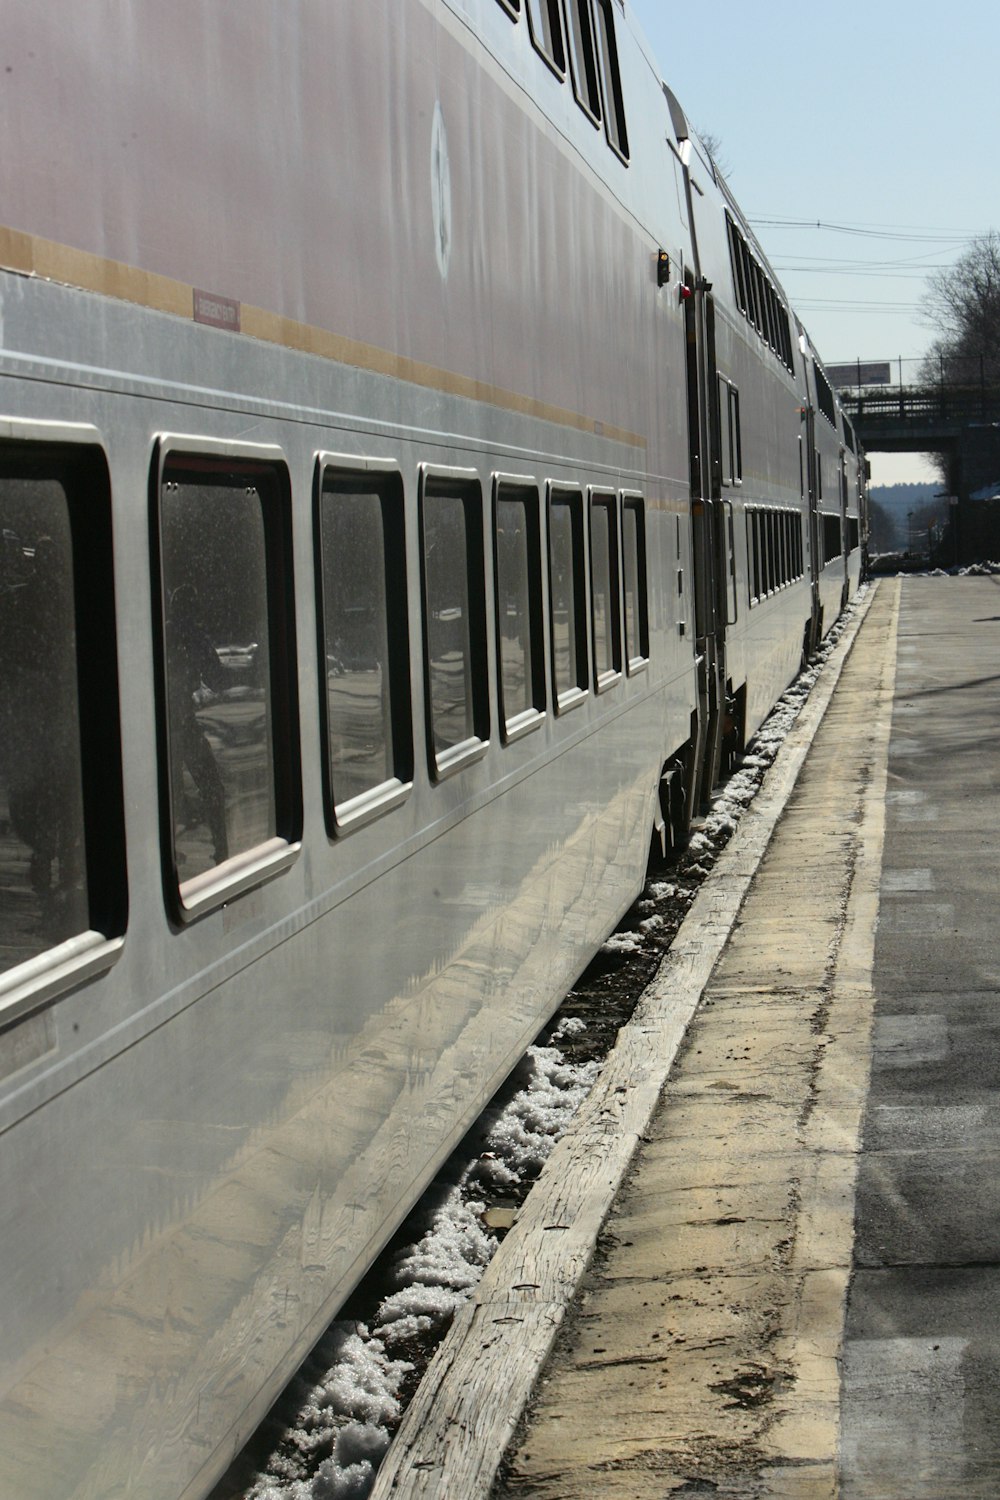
x: 451, y: 1283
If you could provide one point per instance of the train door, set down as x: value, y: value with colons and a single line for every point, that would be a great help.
x: 712, y: 539
x: 813, y: 632
x: 844, y: 547
x: 710, y: 535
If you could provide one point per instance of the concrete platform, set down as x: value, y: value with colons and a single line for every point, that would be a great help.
x: 765, y: 1262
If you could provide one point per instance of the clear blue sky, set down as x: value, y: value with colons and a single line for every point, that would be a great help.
x: 883, y: 119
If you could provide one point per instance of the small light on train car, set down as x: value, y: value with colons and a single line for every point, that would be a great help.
x: 684, y: 293
x: 662, y: 268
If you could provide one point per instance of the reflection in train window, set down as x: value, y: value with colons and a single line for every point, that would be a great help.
x: 364, y: 636
x: 567, y: 598
x: 43, y: 876
x: 454, y: 619
x: 604, y: 589
x: 518, y: 598
x: 634, y: 571
x: 60, y: 771
x: 226, y: 624
x: 545, y: 25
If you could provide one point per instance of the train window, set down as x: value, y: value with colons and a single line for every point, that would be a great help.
x: 634, y: 576
x: 512, y: 7
x: 62, y: 860
x: 736, y: 257
x: 517, y: 558
x: 824, y: 396
x: 454, y: 599
x: 758, y: 299
x: 583, y: 57
x: 854, y: 533
x: 753, y: 580
x: 614, y: 102
x: 364, y: 647
x: 604, y: 590
x: 545, y: 25
x: 567, y: 598
x: 787, y: 562
x: 231, y: 793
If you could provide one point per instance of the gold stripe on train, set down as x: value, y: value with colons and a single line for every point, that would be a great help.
x: 33, y: 256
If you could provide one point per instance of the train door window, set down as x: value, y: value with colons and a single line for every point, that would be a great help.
x: 62, y: 859
x: 634, y: 578
x: 232, y: 796
x: 517, y: 571
x: 725, y: 431
x: 454, y: 600
x: 736, y: 433
x: 614, y: 101
x: 545, y: 25
x: 567, y: 598
x: 729, y: 539
x: 729, y: 421
x: 583, y: 57
x: 604, y: 590
x: 832, y: 545
x: 364, y: 650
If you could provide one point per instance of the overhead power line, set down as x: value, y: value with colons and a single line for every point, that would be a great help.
x: 925, y: 236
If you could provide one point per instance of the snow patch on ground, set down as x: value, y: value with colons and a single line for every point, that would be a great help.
x: 345, y: 1423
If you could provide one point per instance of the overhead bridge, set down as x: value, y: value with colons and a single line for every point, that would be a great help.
x: 922, y: 418
x: 962, y: 423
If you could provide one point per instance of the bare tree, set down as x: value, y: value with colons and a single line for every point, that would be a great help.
x: 963, y: 304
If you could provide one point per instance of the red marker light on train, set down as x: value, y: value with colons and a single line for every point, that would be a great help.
x: 684, y: 293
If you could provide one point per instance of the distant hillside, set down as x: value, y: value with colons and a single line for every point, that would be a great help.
x: 893, y: 505
x: 903, y: 497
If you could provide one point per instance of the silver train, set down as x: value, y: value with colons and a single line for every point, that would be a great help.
x: 415, y: 487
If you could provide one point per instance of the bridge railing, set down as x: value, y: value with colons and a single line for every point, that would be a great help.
x: 923, y: 406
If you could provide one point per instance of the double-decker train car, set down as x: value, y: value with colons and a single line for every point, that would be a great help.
x: 415, y: 487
